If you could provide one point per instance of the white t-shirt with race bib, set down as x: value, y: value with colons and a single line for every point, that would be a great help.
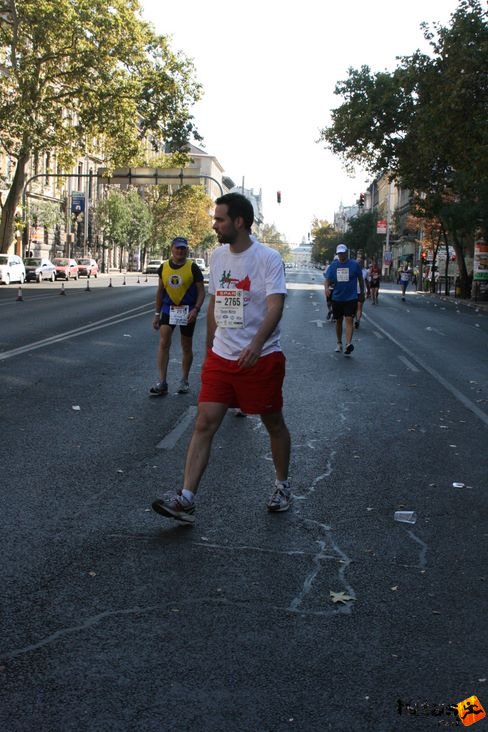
x: 240, y: 284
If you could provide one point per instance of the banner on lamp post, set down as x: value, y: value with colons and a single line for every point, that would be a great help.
x: 381, y: 226
x: 480, y: 262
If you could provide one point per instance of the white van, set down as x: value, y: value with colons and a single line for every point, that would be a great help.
x: 11, y: 269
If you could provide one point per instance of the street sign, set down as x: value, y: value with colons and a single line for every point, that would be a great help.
x: 154, y: 177
x: 142, y: 176
x: 77, y: 202
x: 381, y: 226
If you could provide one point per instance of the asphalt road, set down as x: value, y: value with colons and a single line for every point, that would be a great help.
x: 115, y: 619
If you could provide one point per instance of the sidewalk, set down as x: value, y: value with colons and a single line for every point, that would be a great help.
x: 478, y: 306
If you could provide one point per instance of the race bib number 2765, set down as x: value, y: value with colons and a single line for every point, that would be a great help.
x: 229, y: 308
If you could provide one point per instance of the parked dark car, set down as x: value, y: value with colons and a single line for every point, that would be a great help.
x: 87, y: 268
x: 39, y: 269
x: 66, y: 268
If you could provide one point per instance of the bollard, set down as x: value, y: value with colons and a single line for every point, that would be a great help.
x: 138, y: 280
x: 110, y: 282
x: 62, y: 289
x: 145, y: 279
x: 19, y: 295
x: 87, y: 288
x: 124, y: 282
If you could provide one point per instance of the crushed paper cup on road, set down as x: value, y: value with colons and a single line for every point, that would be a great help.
x: 76, y: 408
x: 459, y: 485
x: 405, y: 517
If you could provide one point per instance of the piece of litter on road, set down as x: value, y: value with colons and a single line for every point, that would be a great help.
x: 405, y: 517
x: 432, y: 485
x: 481, y: 681
x: 120, y: 471
x: 436, y: 612
x: 92, y: 574
x: 340, y: 597
x: 76, y: 408
x: 458, y: 485
x: 127, y: 335
x: 204, y: 538
x: 394, y: 589
x: 452, y: 445
x: 443, y: 426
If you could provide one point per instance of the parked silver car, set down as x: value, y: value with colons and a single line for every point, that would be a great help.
x: 39, y: 269
x: 153, y: 266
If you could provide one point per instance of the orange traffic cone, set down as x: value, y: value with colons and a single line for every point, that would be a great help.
x: 19, y: 295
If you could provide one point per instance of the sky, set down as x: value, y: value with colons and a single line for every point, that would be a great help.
x: 268, y: 70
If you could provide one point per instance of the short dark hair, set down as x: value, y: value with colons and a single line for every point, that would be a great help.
x: 238, y: 205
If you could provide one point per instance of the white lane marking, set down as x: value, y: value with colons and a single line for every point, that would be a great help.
x: 319, y: 323
x: 168, y: 442
x: 408, y: 364
x: 303, y: 286
x: 440, y: 379
x: 378, y: 335
x: 105, y: 323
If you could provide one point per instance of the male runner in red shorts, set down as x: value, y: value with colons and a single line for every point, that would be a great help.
x: 245, y: 366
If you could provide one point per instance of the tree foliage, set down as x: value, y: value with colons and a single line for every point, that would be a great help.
x: 73, y: 72
x: 324, y: 241
x: 184, y: 212
x: 361, y: 235
x: 149, y: 220
x: 274, y: 239
x: 425, y: 123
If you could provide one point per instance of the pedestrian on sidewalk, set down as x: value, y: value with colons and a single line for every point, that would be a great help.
x: 344, y: 275
x: 328, y: 297
x: 245, y: 365
x: 359, y: 306
x: 405, y: 277
x: 179, y: 298
x: 374, y: 280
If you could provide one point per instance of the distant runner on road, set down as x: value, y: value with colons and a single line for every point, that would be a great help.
x: 344, y: 275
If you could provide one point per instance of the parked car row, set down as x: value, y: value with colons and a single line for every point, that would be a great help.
x: 37, y: 269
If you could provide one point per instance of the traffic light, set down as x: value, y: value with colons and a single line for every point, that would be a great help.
x: 278, y: 196
x: 361, y: 200
x: 424, y: 256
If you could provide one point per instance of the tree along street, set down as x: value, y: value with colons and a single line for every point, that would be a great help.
x: 331, y: 616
